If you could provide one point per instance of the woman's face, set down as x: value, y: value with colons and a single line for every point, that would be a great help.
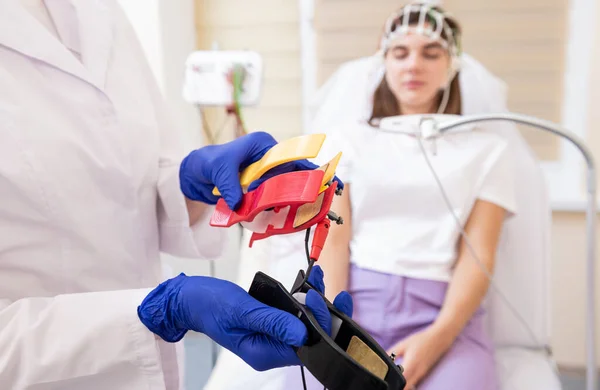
x: 416, y: 68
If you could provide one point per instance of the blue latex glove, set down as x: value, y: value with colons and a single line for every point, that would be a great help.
x: 261, y: 335
x: 298, y: 165
x: 220, y: 165
x: 342, y: 302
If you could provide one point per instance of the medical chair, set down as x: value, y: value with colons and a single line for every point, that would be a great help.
x: 523, y: 266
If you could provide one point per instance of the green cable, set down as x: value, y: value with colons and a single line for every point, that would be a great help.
x: 238, y: 81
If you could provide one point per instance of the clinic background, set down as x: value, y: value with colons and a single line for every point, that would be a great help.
x: 547, y: 51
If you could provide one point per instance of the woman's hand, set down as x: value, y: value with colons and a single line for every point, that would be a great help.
x: 420, y: 352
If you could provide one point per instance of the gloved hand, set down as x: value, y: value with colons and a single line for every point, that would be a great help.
x: 342, y: 302
x: 220, y: 165
x: 261, y: 335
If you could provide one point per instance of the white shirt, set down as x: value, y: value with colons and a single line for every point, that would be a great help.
x: 90, y: 197
x: 400, y: 222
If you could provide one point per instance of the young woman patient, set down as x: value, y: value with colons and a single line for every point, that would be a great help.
x: 417, y: 284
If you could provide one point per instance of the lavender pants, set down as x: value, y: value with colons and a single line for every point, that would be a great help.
x: 393, y: 307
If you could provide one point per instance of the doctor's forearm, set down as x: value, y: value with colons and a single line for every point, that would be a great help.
x: 196, y: 210
x: 465, y: 293
x: 42, y: 346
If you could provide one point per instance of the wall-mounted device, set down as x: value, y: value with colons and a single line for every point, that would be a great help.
x: 223, y: 77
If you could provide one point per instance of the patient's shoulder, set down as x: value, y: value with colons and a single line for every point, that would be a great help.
x: 351, y: 132
x: 479, y: 138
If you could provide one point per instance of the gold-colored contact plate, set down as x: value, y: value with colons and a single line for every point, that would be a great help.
x: 308, y: 211
x: 364, y: 355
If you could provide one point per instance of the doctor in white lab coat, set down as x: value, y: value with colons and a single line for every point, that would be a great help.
x: 91, y: 190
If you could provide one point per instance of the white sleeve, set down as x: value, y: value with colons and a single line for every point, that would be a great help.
x: 498, y: 180
x: 78, y: 341
x: 176, y: 236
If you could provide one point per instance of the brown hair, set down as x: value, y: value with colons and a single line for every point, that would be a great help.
x: 385, y: 102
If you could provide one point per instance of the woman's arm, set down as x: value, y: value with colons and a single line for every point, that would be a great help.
x: 467, y: 288
x: 335, y: 258
x: 469, y: 282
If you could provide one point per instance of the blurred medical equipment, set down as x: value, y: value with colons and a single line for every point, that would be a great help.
x: 229, y: 78
x: 434, y: 126
x: 348, y: 358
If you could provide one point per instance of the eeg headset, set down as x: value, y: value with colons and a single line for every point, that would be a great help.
x: 430, y: 21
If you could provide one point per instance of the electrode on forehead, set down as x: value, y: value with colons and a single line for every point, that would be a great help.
x: 422, y: 19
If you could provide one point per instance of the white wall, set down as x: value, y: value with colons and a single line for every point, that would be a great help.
x: 167, y: 34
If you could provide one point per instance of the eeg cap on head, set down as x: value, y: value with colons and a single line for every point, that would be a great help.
x: 428, y: 20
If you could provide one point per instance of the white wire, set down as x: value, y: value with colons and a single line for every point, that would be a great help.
x: 470, y: 247
x: 445, y: 98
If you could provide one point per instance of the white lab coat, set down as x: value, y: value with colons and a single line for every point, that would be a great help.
x: 89, y: 196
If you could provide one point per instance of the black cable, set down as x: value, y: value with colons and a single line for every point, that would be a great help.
x: 308, y: 270
x: 303, y: 377
x: 311, y: 263
x: 306, y: 244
